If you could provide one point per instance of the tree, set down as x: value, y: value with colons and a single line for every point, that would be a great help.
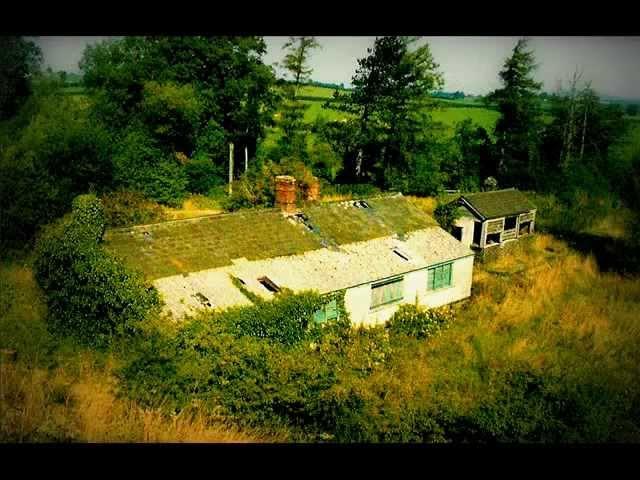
x: 391, y: 98
x: 293, y: 141
x: 632, y: 109
x: 518, y: 129
x: 296, y: 61
x: 475, y: 158
x: 231, y: 84
x: 19, y: 60
x: 59, y: 154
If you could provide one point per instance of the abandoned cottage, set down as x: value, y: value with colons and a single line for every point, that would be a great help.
x: 381, y: 252
x: 493, y: 218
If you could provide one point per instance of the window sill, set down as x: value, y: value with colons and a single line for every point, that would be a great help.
x: 382, y: 306
x: 441, y: 289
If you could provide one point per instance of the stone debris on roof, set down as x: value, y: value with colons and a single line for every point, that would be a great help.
x: 499, y: 203
x: 176, y: 247
x: 323, y: 270
x: 181, y: 293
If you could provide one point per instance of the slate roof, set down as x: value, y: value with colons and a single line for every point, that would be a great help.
x: 324, y: 270
x: 183, y: 246
x: 499, y: 203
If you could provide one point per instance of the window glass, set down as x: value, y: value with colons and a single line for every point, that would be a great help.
x: 439, y: 277
x: 328, y: 311
x: 386, y: 292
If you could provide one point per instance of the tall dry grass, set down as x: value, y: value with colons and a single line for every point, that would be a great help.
x: 540, y: 306
x: 52, y: 406
x: 57, y: 392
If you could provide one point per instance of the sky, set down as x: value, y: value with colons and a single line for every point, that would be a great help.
x: 470, y: 64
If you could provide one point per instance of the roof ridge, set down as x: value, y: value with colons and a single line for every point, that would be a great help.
x: 510, y: 189
x: 370, y: 197
x: 251, y: 211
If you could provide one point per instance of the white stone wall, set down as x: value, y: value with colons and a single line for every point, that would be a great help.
x: 358, y: 299
x: 466, y: 222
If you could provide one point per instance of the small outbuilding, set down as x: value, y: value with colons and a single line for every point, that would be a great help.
x: 494, y: 218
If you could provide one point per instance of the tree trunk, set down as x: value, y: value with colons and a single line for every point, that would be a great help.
x: 570, y: 127
x: 584, y: 130
x: 230, y: 168
x: 359, y: 163
x: 246, y: 158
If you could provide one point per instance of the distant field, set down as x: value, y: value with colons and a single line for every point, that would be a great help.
x: 74, y: 90
x: 481, y: 116
x: 313, y: 91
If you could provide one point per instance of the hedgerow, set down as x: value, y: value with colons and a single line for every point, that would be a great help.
x: 90, y: 294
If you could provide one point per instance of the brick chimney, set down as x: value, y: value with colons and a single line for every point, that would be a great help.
x: 312, y: 191
x: 286, y: 193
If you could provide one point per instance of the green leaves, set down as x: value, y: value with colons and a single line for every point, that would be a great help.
x: 19, y: 59
x: 391, y: 97
x: 90, y: 294
x: 517, y: 130
x: 418, y: 322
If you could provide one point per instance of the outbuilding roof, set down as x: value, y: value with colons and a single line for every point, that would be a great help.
x: 498, y: 203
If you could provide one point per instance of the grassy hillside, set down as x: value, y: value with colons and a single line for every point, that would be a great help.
x: 58, y: 392
x: 546, y: 346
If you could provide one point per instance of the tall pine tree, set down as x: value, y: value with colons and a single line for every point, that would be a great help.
x: 391, y: 98
x: 518, y: 129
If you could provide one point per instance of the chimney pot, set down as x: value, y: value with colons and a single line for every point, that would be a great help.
x: 312, y: 192
x: 286, y: 193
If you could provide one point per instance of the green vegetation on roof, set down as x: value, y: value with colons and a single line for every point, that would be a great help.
x: 499, y: 203
x: 183, y: 246
x: 191, y: 245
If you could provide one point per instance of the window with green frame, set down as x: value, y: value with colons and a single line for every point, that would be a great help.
x: 439, y: 276
x: 385, y: 292
x: 329, y: 311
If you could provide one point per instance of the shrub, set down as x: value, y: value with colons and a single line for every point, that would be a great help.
x: 203, y: 175
x: 257, y: 186
x: 446, y: 214
x: 124, y: 207
x: 90, y: 294
x: 140, y: 164
x: 418, y: 322
x: 89, y: 216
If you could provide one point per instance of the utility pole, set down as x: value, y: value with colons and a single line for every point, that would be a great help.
x: 246, y: 158
x: 230, y: 167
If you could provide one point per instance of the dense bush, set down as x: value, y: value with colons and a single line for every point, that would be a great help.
x: 418, y: 322
x: 124, y: 208
x: 446, y: 214
x: 90, y: 294
x: 256, y: 188
x: 287, y: 373
x: 88, y: 216
x: 203, y: 175
x: 54, y: 154
x: 140, y: 164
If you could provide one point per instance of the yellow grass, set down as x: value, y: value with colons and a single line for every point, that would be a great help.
x: 195, y: 206
x: 559, y: 312
x: 43, y: 405
x: 336, y: 197
x: 426, y: 204
x: 71, y: 395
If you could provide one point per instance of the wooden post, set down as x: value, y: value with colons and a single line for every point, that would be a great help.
x: 246, y: 158
x: 230, y: 167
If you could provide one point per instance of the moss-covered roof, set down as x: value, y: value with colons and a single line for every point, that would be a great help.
x: 183, y: 246
x: 499, y: 203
